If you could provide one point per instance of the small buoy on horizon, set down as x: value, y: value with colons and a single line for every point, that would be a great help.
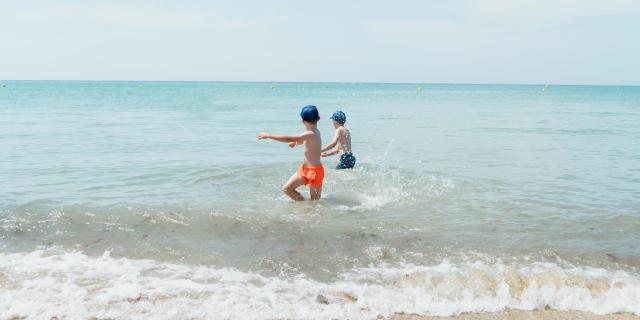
x: 273, y: 87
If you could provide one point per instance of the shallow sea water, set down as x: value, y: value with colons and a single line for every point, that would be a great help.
x: 155, y: 199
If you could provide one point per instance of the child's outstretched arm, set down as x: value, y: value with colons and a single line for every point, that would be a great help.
x: 329, y: 153
x: 297, y: 139
x: 332, y: 143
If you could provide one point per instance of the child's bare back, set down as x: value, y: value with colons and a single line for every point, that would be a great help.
x: 344, y: 139
x: 312, y: 146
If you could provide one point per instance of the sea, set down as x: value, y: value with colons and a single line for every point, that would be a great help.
x: 155, y: 200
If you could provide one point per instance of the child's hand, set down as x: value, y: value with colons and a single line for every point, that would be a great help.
x: 263, y: 135
x: 292, y: 144
x: 324, y: 154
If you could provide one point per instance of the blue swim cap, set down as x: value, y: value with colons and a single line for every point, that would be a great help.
x: 310, y: 114
x: 339, y: 117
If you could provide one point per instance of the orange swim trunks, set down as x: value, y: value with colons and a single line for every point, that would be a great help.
x: 313, y: 175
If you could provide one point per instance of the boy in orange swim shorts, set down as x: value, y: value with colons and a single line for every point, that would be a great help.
x: 311, y: 172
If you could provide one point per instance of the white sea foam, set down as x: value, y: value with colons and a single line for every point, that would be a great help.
x: 42, y: 284
x: 378, y: 187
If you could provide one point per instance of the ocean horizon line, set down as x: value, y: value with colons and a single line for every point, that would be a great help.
x: 328, y: 82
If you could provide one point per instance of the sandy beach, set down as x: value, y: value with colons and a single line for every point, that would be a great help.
x: 525, y: 315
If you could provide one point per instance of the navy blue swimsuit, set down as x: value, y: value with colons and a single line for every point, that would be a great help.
x: 347, y: 161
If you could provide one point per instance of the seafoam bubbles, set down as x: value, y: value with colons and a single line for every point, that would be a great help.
x: 376, y: 187
x: 40, y: 284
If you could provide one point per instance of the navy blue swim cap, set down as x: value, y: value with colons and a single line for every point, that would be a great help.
x: 339, y: 117
x: 310, y: 114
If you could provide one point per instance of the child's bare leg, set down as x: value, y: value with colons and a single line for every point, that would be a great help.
x: 289, y: 188
x: 315, y: 192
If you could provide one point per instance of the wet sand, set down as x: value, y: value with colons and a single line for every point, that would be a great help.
x: 524, y: 315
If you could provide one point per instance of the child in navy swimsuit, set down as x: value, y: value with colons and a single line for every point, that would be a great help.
x: 341, y: 142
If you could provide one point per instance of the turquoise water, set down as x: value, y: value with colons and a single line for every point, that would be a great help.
x: 166, y: 181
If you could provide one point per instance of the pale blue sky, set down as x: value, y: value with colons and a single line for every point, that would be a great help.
x: 460, y: 41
